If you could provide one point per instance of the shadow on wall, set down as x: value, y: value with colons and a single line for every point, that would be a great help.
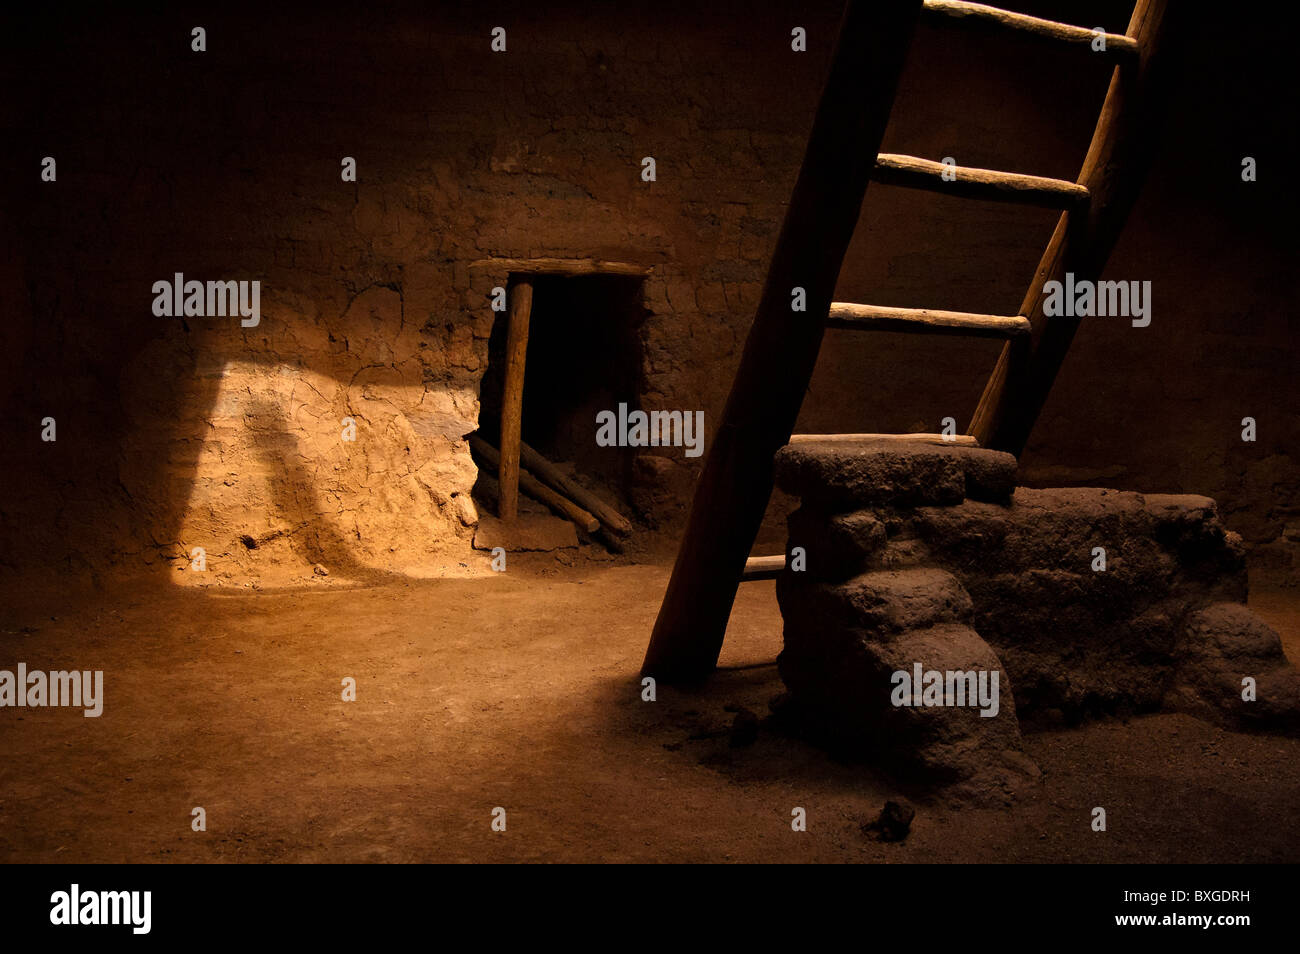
x: 303, y: 447
x: 295, y: 504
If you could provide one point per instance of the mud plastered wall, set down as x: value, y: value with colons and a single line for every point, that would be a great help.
x: 226, y: 165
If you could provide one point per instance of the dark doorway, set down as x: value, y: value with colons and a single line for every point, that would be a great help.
x: 584, y: 356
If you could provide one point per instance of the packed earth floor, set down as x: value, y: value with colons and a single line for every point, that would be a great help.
x: 521, y: 691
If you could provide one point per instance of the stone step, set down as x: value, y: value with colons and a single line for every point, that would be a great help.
x: 836, y: 546
x: 853, y: 690
x: 846, y: 475
x: 882, y: 601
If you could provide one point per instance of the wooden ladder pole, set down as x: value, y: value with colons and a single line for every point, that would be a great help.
x: 1122, y: 148
x: 781, y: 350
x: 512, y: 397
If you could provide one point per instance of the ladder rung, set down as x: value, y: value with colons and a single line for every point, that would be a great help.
x: 925, y: 321
x: 971, y: 183
x: 1077, y: 37
x: 963, y: 439
x: 763, y: 568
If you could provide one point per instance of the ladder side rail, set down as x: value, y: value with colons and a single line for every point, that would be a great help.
x: 1122, y: 148
x: 780, y: 352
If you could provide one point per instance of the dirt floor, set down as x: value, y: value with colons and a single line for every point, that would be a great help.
x: 520, y: 690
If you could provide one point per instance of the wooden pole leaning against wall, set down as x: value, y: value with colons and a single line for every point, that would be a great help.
x: 781, y: 350
x: 551, y: 475
x: 536, y: 489
x: 1122, y: 149
x: 520, y: 294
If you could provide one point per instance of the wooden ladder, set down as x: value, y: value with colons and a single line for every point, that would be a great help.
x: 780, y: 353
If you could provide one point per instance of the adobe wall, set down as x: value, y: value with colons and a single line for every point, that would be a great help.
x: 178, y: 433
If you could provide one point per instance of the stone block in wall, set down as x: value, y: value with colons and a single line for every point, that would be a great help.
x: 837, y: 546
x: 943, y: 742
x: 844, y: 644
x: 844, y: 684
x: 1151, y: 537
x: 1223, y: 645
x: 885, y: 601
x: 1082, y: 641
x: 847, y: 475
x: 1071, y: 662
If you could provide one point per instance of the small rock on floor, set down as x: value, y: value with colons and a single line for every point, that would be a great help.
x: 894, y: 823
x: 744, y: 728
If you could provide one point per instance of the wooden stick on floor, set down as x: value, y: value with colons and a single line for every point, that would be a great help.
x: 512, y: 398
x: 536, y: 489
x: 552, y: 475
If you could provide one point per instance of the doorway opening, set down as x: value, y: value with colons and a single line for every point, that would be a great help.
x: 583, y: 356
